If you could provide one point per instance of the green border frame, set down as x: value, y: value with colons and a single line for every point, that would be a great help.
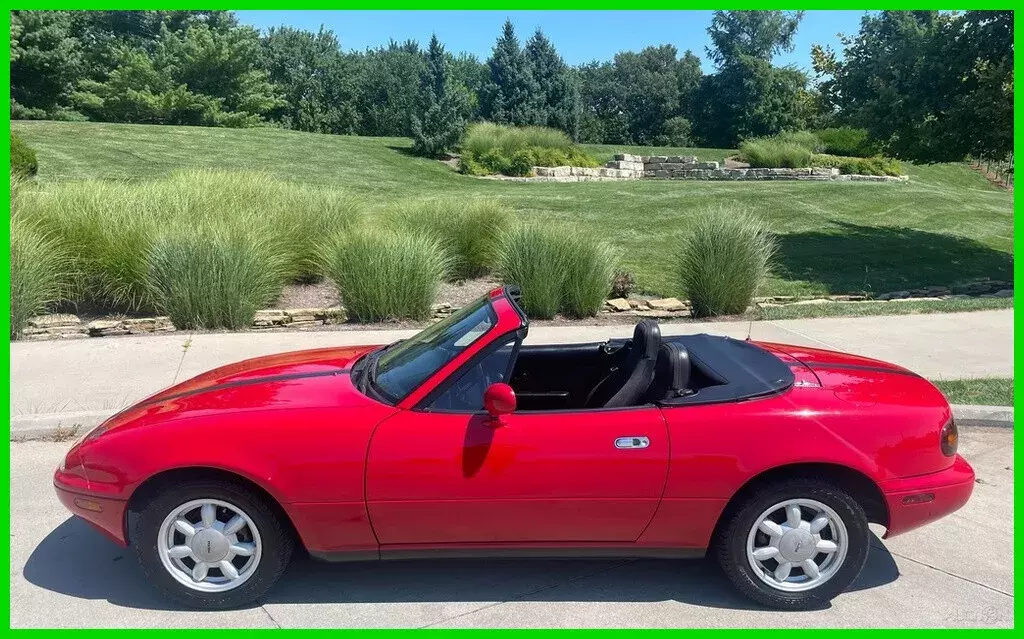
x: 478, y: 5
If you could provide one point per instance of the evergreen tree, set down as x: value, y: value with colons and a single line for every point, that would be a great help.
x: 439, y: 117
x: 557, y: 98
x: 509, y: 95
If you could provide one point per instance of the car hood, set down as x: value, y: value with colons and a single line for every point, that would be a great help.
x: 253, y: 383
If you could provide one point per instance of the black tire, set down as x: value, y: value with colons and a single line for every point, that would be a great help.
x: 275, y: 536
x: 730, y: 544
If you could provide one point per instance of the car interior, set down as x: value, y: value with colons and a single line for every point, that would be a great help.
x: 610, y: 374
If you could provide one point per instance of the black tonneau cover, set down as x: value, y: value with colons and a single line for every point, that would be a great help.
x: 738, y: 370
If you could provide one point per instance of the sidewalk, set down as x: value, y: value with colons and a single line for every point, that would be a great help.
x: 79, y: 383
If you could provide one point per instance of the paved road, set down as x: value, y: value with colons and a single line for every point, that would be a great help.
x: 81, y: 382
x: 957, y: 572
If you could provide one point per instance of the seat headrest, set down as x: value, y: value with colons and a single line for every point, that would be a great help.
x: 646, y: 339
x: 671, y: 372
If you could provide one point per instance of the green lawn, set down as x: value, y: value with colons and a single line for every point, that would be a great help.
x: 946, y: 225
x: 856, y: 309
x: 989, y: 391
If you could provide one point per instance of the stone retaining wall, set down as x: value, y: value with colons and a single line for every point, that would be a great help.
x: 688, y: 167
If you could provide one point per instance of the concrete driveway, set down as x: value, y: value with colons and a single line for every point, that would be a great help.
x: 957, y: 572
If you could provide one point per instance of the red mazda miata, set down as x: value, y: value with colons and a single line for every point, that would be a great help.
x: 461, y: 441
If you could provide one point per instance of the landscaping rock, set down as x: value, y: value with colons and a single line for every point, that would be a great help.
x: 441, y: 310
x: 102, y: 328
x: 667, y: 304
x: 812, y: 302
x: 1006, y: 292
x: 140, y: 325
x: 618, y: 305
x: 51, y: 321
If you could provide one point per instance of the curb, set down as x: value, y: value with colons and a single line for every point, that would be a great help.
x: 56, y: 426
x: 970, y: 415
x: 67, y: 426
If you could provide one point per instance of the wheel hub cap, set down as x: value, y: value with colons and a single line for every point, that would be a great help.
x: 797, y: 545
x: 210, y: 545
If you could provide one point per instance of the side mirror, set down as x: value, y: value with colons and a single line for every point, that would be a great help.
x: 499, y: 399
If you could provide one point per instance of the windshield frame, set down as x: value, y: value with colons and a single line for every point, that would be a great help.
x: 438, y: 329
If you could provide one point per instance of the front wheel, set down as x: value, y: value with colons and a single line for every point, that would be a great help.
x: 795, y: 544
x: 211, y: 544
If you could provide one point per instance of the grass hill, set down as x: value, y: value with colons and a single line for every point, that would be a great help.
x: 946, y: 225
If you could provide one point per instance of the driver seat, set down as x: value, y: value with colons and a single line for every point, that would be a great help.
x: 628, y: 385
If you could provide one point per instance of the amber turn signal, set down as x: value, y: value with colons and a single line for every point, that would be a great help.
x: 919, y: 498
x: 88, y: 504
x: 948, y: 438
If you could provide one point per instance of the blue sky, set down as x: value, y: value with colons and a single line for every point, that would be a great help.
x: 580, y: 36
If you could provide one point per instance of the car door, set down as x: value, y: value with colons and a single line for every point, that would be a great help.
x: 457, y: 477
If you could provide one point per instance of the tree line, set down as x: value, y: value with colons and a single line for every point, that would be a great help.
x: 927, y: 85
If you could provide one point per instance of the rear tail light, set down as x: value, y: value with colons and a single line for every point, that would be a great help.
x: 948, y: 438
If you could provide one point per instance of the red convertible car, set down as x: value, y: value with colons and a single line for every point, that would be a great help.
x: 462, y: 441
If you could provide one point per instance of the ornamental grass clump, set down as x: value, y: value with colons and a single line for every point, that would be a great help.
x: 558, y: 269
x: 215, y: 275
x: 772, y: 153
x: 40, y: 270
x: 723, y: 259
x: 590, y: 270
x: 109, y: 229
x: 467, y: 229
x: 534, y: 258
x: 385, y: 274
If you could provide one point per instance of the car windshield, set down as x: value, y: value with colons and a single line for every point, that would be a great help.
x: 407, y: 364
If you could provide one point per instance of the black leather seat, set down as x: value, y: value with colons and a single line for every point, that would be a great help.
x: 671, y: 373
x: 628, y: 385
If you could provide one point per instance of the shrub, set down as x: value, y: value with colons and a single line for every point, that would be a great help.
x: 39, y: 270
x: 549, y: 157
x: 578, y: 157
x: 469, y: 165
x: 623, y: 284
x: 215, y: 276
x: 23, y: 158
x: 772, y: 153
x: 723, y: 260
x: 520, y: 164
x: 509, y: 150
x: 466, y: 229
x: 534, y: 257
x: 384, y: 273
x: 846, y: 141
x: 590, y: 267
x: 678, y: 132
x: 876, y: 165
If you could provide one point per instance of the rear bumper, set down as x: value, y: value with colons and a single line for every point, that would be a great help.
x: 916, y: 501
x: 104, y: 513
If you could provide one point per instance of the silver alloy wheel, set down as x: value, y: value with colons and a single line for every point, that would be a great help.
x: 797, y: 545
x: 209, y: 545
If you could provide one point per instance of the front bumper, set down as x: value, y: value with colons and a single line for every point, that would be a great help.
x: 104, y: 513
x: 916, y: 501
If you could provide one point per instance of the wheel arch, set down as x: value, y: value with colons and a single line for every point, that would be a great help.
x: 861, y: 487
x: 151, y: 485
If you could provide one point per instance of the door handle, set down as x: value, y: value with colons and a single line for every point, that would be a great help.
x: 632, y: 442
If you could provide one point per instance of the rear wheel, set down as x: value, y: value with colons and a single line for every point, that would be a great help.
x: 794, y: 544
x: 211, y: 544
